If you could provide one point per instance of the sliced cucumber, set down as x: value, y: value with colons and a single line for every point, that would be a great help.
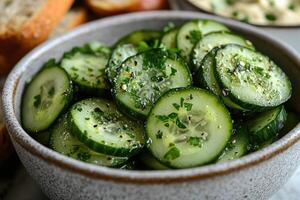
x: 98, y: 124
x: 237, y: 146
x: 191, y: 32
x: 144, y: 77
x: 212, y: 40
x: 267, y: 124
x: 45, y: 97
x: 136, y: 37
x: 205, y: 78
x: 168, y: 40
x: 186, y: 133
x: 62, y: 141
x: 250, y: 79
x: 254, y: 146
x: 151, y: 162
x: 120, y: 53
x: 86, y: 67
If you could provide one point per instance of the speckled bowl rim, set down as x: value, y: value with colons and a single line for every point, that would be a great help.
x: 137, y: 177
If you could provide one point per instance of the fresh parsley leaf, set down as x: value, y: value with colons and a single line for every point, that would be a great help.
x: 172, y: 154
x: 173, y: 71
x: 163, y: 118
x: 195, y: 36
x: 173, y: 115
x: 179, y: 124
x: 188, y: 106
x: 271, y: 17
x: 176, y: 106
x: 194, y: 141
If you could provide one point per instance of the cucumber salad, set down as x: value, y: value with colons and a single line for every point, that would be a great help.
x: 177, y: 98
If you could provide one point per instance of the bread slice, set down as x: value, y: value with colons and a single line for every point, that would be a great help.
x: 110, y: 7
x: 146, y: 5
x: 6, y: 148
x: 26, y: 23
x: 74, y: 17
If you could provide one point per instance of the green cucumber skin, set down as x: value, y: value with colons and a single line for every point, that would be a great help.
x: 272, y: 129
x: 119, y: 161
x: 94, y: 49
x: 68, y: 97
x: 196, y: 68
x: 235, y: 99
x: 126, y: 110
x: 98, y: 147
x: 196, y: 21
x: 199, y: 75
x: 200, y: 81
x: 241, y: 138
x: 148, y: 35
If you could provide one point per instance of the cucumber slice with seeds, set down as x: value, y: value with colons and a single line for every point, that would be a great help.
x: 250, y: 79
x: 267, y: 124
x: 212, y: 40
x: 86, y: 67
x: 120, y: 54
x: 168, y: 40
x: 191, y: 32
x: 185, y: 133
x: 98, y: 124
x: 46, y: 96
x: 237, y: 146
x: 62, y: 141
x: 144, y: 77
x: 136, y: 37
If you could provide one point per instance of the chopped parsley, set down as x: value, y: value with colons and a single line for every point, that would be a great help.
x: 292, y: 7
x: 172, y: 154
x: 194, y: 141
x: 188, y: 106
x: 195, y: 36
x: 271, y: 17
x: 173, y: 71
x: 180, y: 124
x: 231, y: 2
x: 176, y: 106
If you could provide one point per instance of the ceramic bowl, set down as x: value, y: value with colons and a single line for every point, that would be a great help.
x: 255, y: 176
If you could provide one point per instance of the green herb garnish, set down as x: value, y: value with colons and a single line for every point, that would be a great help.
x: 172, y: 154
x: 195, y: 36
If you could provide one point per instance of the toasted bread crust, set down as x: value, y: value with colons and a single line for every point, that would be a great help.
x: 33, y: 32
x: 108, y: 7
x: 79, y: 18
x: 75, y: 17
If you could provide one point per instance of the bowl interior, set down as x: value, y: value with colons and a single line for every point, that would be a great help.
x: 111, y: 29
